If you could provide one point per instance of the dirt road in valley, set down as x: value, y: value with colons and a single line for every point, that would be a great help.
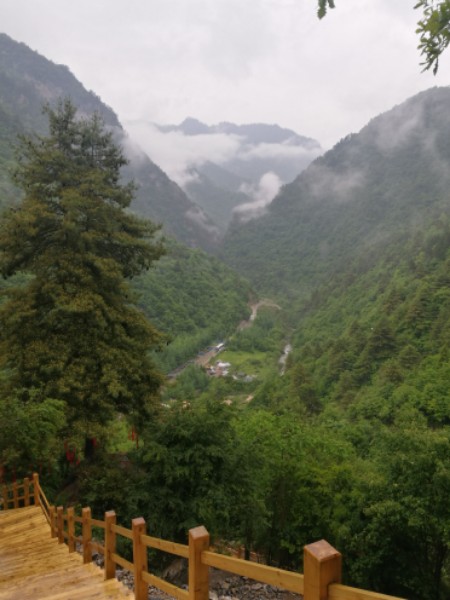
x: 255, y: 307
x: 204, y: 358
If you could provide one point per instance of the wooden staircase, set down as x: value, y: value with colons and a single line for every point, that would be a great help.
x: 33, y: 565
x: 36, y: 563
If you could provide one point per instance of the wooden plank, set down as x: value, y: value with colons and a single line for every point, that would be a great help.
x: 123, y: 562
x: 165, y: 546
x: 292, y: 582
x: 98, y: 523
x: 97, y: 547
x: 33, y: 565
x: 37, y: 585
x: 165, y: 586
x: 343, y: 592
x: 100, y: 590
x: 123, y: 531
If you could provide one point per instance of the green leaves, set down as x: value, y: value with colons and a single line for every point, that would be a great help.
x: 405, y: 514
x: 323, y: 7
x: 72, y: 330
x: 433, y: 28
x: 29, y: 430
x: 186, y: 457
x: 434, y: 31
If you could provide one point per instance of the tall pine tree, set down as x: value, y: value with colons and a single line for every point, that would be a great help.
x: 70, y: 331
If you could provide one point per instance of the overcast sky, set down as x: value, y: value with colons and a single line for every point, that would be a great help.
x: 243, y: 61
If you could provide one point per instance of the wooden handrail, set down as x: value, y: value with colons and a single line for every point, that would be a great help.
x: 123, y: 531
x: 165, y: 546
x: 322, y: 563
x: 98, y: 523
x: 98, y: 547
x: 43, y: 497
x: 165, y: 586
x: 287, y: 580
x: 123, y: 562
x: 17, y: 500
x: 337, y: 591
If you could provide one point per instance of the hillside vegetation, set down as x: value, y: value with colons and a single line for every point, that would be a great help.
x: 357, y: 250
x: 391, y: 177
x: 352, y: 442
x: 194, y: 299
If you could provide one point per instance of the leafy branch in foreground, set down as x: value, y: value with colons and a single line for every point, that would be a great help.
x: 433, y: 28
x: 434, y: 31
x: 323, y: 7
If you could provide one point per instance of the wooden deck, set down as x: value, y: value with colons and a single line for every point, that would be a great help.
x: 33, y: 565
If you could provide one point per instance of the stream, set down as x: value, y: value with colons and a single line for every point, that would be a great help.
x: 283, y: 358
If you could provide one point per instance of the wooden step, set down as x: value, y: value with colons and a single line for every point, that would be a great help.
x: 35, y: 566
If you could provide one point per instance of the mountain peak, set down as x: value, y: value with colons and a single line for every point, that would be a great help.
x: 191, y: 126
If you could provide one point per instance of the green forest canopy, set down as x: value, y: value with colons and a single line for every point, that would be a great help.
x: 71, y: 334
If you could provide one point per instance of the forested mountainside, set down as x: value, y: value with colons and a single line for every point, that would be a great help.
x: 391, y: 177
x: 217, y: 191
x: 193, y: 299
x: 28, y: 80
x: 358, y: 250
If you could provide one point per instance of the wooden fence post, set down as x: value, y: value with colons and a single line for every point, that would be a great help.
x: 110, y: 545
x: 36, y: 489
x: 26, y: 491
x: 198, y: 572
x: 60, y: 523
x: 86, y: 534
x: 52, y: 516
x: 15, y: 495
x: 138, y: 528
x: 71, y: 529
x: 322, y: 565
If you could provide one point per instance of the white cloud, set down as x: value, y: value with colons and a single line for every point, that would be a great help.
x: 336, y: 186
x: 269, y: 61
x: 283, y: 150
x: 393, y: 131
x: 263, y: 193
x: 176, y: 153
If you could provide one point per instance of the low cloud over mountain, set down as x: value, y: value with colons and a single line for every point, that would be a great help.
x: 250, y: 162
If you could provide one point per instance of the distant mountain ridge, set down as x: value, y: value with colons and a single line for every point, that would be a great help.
x: 254, y: 133
x: 29, y: 80
x: 220, y: 186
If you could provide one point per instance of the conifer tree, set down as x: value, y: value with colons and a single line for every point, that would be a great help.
x: 70, y: 331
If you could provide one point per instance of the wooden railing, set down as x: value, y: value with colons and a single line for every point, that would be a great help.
x: 322, y: 563
x: 19, y: 494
